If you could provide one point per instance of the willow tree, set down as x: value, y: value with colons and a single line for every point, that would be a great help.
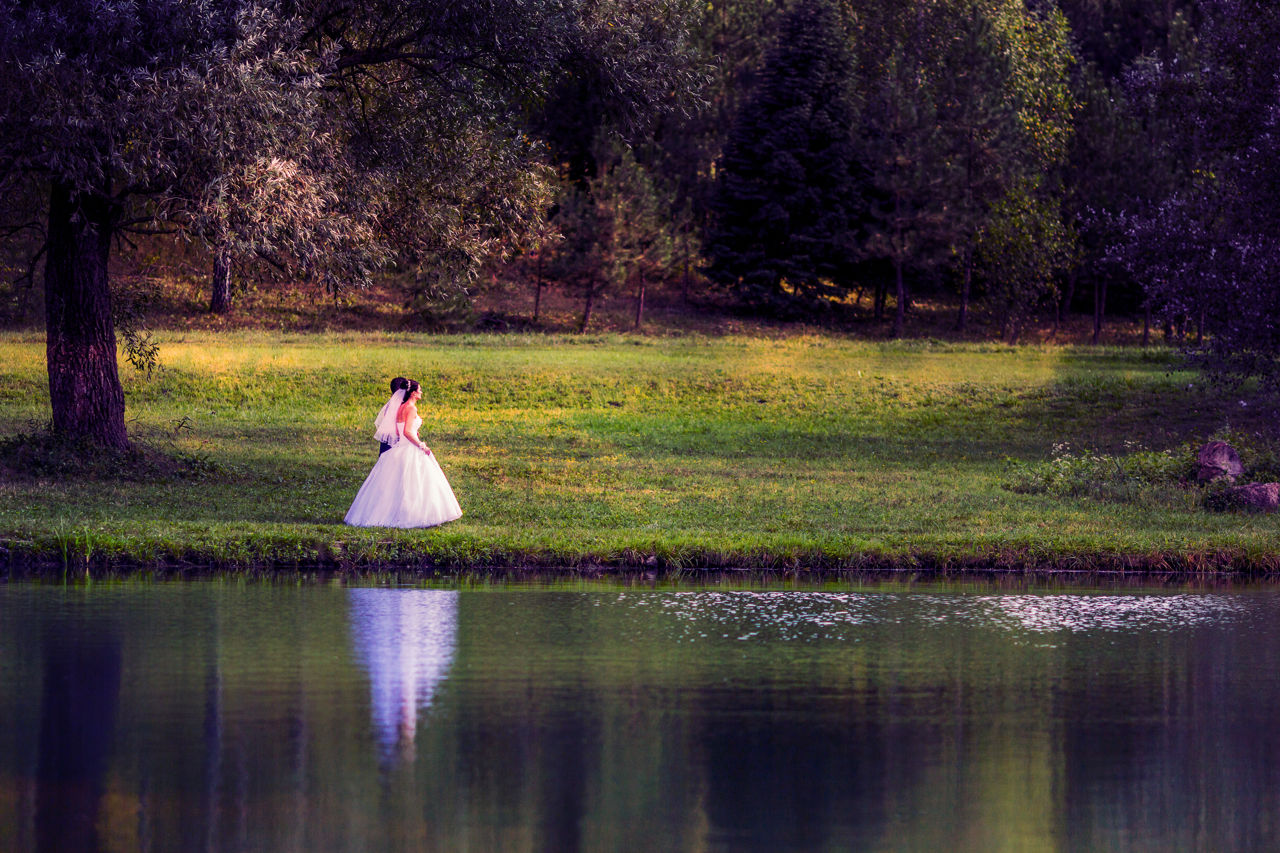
x: 326, y: 136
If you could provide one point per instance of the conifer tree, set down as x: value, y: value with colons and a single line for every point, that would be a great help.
x: 787, y: 189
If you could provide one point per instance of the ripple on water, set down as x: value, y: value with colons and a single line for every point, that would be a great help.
x: 807, y: 616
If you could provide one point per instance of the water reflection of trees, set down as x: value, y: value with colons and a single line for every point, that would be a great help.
x: 78, y: 701
x: 582, y: 722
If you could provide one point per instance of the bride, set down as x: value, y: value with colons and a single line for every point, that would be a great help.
x: 406, y: 487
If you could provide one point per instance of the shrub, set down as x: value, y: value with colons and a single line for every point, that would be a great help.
x: 1137, y: 475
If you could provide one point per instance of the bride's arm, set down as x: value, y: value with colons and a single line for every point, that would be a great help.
x: 411, y: 435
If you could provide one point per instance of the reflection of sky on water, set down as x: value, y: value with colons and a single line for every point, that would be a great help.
x: 405, y: 640
x: 791, y: 616
x: 768, y: 615
x: 1112, y: 612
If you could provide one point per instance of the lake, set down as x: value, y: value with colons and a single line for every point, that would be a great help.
x: 316, y: 717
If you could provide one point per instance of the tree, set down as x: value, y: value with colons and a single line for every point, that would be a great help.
x: 980, y: 115
x: 578, y: 260
x: 614, y: 230
x: 732, y: 39
x: 963, y: 99
x: 640, y: 241
x: 1005, y: 109
x: 901, y: 143
x: 787, y: 189
x: 324, y: 135
x: 1210, y: 249
x: 1109, y: 169
x: 1021, y: 249
x: 1111, y: 34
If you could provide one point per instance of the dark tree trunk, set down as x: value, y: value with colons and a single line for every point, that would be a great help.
x: 1064, y: 304
x: 586, y: 309
x: 84, y: 382
x: 900, y: 311
x: 963, y: 317
x: 220, y: 301
x: 881, y: 297
x: 640, y: 304
x: 537, y: 291
x: 1146, y: 325
x: 1099, y: 308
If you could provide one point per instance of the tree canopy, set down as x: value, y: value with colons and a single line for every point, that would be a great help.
x: 325, y: 137
x: 787, y: 191
x: 996, y: 152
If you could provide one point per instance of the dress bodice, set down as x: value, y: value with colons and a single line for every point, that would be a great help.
x: 411, y: 426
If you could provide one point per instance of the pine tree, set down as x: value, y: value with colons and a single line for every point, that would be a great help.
x: 787, y: 189
x: 577, y: 261
x: 902, y: 143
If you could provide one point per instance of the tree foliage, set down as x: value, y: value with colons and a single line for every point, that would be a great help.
x: 786, y: 190
x: 962, y: 100
x: 1023, y: 248
x: 1208, y: 250
x: 325, y: 136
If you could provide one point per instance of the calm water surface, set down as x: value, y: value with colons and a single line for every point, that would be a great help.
x: 229, y: 717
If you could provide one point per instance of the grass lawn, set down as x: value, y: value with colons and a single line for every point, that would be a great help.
x: 690, y: 451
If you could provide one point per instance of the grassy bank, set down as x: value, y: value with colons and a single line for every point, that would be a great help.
x: 806, y: 452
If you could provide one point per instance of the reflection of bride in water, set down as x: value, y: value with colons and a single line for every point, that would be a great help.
x: 404, y: 639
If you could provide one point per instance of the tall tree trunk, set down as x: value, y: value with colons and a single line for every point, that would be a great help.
x: 1064, y: 303
x: 1099, y: 307
x: 84, y: 381
x: 586, y: 309
x: 537, y: 290
x: 640, y: 304
x: 220, y: 301
x: 900, y: 311
x: 963, y: 317
x: 1146, y: 325
x: 881, y: 297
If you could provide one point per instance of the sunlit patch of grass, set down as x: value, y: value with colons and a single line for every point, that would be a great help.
x: 613, y: 450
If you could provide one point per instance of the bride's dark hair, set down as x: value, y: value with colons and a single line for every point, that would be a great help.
x: 410, y: 388
x: 398, y: 383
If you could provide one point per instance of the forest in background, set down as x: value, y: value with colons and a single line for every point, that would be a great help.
x: 802, y: 161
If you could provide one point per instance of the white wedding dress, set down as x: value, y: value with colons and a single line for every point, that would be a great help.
x: 406, y: 488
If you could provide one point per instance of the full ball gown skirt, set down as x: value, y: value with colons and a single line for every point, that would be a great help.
x: 406, y: 488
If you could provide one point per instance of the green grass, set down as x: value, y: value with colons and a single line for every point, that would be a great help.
x: 579, y: 453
